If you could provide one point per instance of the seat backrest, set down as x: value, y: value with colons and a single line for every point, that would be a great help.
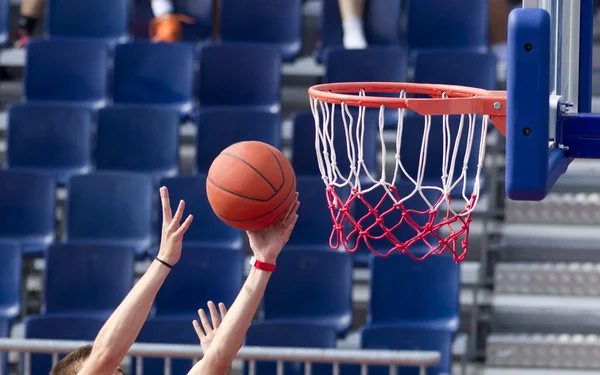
x: 65, y: 70
x: 10, y: 282
x: 208, y: 272
x: 107, y: 19
x: 372, y: 64
x: 310, y: 283
x: 390, y: 337
x: 314, y: 225
x: 447, y: 24
x: 48, y: 136
x: 138, y: 139
x: 290, y: 335
x: 109, y: 206
x: 3, y: 21
x: 381, y: 23
x: 404, y: 290
x: 464, y: 68
x: 410, y: 152
x: 261, y: 21
x: 304, y: 159
x: 207, y: 227
x: 99, y: 278
x: 219, y: 128
x: 159, y: 73
x: 27, y: 203
x: 4, y: 332
x: 242, y: 74
x: 59, y: 327
x: 166, y: 331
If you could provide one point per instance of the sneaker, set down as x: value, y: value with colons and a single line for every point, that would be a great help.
x: 167, y: 28
x: 22, y: 37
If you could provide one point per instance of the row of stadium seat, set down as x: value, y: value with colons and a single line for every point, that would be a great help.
x: 261, y: 333
x: 311, y: 288
x: 76, y: 71
x: 64, y: 140
x: 260, y: 21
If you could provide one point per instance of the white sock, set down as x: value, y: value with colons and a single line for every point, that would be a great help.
x: 161, y: 7
x: 354, y: 35
x: 501, y: 52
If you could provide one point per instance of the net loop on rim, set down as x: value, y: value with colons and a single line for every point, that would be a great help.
x: 400, y: 208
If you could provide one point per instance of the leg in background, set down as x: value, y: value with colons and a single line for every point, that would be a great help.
x: 31, y: 12
x: 166, y: 26
x: 352, y: 23
x: 498, y: 26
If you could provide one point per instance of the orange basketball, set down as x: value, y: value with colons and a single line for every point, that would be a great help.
x: 250, y: 185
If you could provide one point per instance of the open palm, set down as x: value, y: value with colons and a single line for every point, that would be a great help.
x: 205, y: 331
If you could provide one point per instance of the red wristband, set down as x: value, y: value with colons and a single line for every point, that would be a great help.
x: 261, y: 265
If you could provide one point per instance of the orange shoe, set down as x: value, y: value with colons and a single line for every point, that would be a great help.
x: 167, y: 28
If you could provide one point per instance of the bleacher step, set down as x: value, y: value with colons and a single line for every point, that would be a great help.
x: 544, y: 351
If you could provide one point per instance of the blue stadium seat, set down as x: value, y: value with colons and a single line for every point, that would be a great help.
x: 304, y: 159
x: 73, y: 71
x: 381, y: 23
x: 98, y: 278
x: 106, y: 20
x: 154, y: 73
x: 199, y: 10
x: 27, y: 203
x: 10, y: 281
x: 311, y: 286
x: 410, y: 151
x: 110, y: 208
x: 314, y: 224
x: 206, y: 228
x: 290, y: 335
x: 418, y: 294
x: 463, y: 68
x: 138, y: 139
x: 53, y: 139
x: 59, y: 327
x: 227, y: 80
x: 262, y: 21
x: 4, y: 332
x: 4, y: 21
x: 372, y: 64
x: 219, y: 128
x: 403, y: 233
x: 204, y: 273
x: 391, y: 337
x: 430, y: 27
x: 166, y: 331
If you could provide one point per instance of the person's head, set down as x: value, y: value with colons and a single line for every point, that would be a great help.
x: 72, y: 363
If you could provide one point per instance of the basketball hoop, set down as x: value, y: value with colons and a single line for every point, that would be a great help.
x: 439, y: 224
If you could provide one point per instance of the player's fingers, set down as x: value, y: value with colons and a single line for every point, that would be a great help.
x: 198, y: 329
x: 166, y: 205
x: 214, y: 315
x: 222, y: 310
x: 293, y: 212
x: 178, y: 214
x: 290, y: 226
x: 205, y: 322
x: 289, y: 210
x: 184, y: 227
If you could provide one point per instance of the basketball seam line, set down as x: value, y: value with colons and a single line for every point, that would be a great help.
x: 258, y: 172
x: 241, y: 195
x: 266, y: 213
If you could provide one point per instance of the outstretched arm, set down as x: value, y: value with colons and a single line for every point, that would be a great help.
x: 266, y: 246
x: 122, y: 328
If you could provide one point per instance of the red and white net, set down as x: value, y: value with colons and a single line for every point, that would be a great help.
x: 375, y: 209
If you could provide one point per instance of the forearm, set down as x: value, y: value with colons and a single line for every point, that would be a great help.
x: 122, y: 328
x: 234, y: 327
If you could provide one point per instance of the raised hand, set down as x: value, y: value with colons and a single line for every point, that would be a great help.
x: 206, y: 332
x: 172, y: 231
x: 266, y: 244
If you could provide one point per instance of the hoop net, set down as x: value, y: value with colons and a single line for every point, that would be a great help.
x: 398, y: 209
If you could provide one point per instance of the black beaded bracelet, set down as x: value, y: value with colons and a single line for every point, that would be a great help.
x: 165, y: 263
